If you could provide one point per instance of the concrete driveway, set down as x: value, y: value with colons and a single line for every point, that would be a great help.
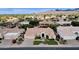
x: 6, y: 43
x: 72, y: 42
x: 28, y: 42
x: 25, y: 43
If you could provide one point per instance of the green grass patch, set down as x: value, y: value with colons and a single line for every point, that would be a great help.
x: 37, y: 42
x: 51, y: 42
x: 47, y: 41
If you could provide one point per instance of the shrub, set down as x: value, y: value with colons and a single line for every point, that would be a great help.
x: 0, y: 38
x: 37, y: 42
x: 23, y: 26
x: 50, y: 42
x: 13, y: 41
x: 37, y: 37
x: 0, y: 41
x: 57, y: 37
x: 19, y: 40
x: 30, y: 26
x: 65, y: 41
x: 34, y: 22
x: 54, y: 27
x: 62, y: 41
x: 75, y: 23
x: 47, y: 37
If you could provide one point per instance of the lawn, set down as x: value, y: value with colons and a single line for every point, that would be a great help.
x: 47, y: 41
x: 50, y: 42
x: 37, y: 42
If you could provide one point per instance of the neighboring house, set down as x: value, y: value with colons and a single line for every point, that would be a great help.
x: 9, y: 25
x: 40, y: 17
x: 45, y: 23
x: 64, y: 23
x: 48, y: 17
x: 13, y: 20
x: 28, y: 16
x: 24, y: 23
x: 31, y: 33
x: 68, y: 33
x: 9, y: 33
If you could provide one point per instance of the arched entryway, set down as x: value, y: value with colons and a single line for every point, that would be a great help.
x: 43, y: 35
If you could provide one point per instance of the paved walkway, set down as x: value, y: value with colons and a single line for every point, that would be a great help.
x: 6, y: 43
x: 28, y: 42
x: 58, y: 42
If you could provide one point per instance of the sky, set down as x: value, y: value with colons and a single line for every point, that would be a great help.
x: 24, y: 10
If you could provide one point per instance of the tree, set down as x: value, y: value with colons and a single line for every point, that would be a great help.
x: 75, y: 23
x: 54, y: 27
x: 37, y: 37
x: 23, y: 26
x: 57, y: 37
x: 13, y: 41
x: 19, y: 40
x: 28, y: 19
x: 34, y: 22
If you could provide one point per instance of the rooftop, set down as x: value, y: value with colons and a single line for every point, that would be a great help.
x: 32, y: 32
x: 68, y: 32
x: 10, y: 31
x: 24, y: 22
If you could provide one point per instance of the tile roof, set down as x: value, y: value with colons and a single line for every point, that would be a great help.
x: 11, y: 31
x: 68, y: 31
x: 32, y: 32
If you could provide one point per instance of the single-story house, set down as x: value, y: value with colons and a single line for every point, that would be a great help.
x: 68, y: 33
x: 13, y: 20
x: 31, y: 33
x: 45, y: 23
x: 40, y: 17
x: 24, y: 23
x: 10, y: 33
x: 64, y: 22
x: 28, y: 16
